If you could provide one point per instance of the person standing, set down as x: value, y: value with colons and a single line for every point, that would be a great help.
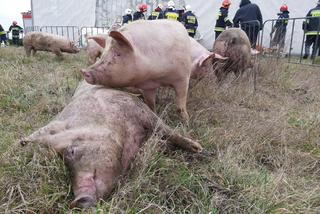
x: 127, y: 18
x: 280, y: 28
x: 3, y: 36
x: 312, y: 31
x: 139, y: 15
x: 190, y: 21
x: 157, y: 13
x: 250, y: 18
x: 16, y: 29
x: 222, y: 18
x: 171, y: 13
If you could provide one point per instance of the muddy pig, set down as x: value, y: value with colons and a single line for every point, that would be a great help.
x: 202, y: 60
x: 234, y: 44
x: 40, y: 41
x: 95, y: 47
x: 98, y: 134
x: 146, y: 55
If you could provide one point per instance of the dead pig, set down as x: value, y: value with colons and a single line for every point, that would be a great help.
x: 99, y: 133
x: 133, y: 59
x: 40, y: 41
x: 234, y: 44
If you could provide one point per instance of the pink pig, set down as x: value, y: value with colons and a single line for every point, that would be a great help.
x: 146, y: 55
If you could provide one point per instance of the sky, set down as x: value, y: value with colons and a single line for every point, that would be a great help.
x: 10, y: 10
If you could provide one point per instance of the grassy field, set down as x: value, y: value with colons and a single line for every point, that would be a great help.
x: 263, y: 146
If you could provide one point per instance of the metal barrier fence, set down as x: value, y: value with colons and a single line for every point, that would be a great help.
x: 91, y: 31
x: 252, y: 29
x: 71, y: 32
x: 292, y: 46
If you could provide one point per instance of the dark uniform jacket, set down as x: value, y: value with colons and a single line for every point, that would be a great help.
x: 222, y: 20
x: 190, y: 22
x: 15, y: 30
x: 312, y: 25
x: 171, y: 14
x: 138, y: 15
x: 282, y: 21
x: 156, y: 15
x: 247, y: 12
x: 126, y: 19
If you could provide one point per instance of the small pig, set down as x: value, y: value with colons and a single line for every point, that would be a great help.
x: 146, y: 55
x: 40, y: 41
x: 95, y: 47
x: 202, y: 60
x: 234, y: 44
x: 98, y: 134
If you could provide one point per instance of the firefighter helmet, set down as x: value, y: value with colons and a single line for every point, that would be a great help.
x: 188, y: 7
x: 171, y: 4
x: 284, y: 8
x: 143, y: 8
x: 226, y: 3
x: 128, y: 11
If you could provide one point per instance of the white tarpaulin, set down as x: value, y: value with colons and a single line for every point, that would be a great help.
x: 103, y: 12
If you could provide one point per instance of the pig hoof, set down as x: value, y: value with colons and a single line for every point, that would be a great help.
x: 23, y: 142
x: 83, y: 202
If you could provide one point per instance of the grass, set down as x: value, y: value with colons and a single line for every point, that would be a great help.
x: 263, y: 145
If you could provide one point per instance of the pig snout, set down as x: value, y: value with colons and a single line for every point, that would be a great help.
x: 88, y: 76
x: 83, y: 201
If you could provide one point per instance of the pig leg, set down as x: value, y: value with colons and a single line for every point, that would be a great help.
x: 150, y: 98
x: 41, y: 136
x: 28, y: 50
x: 181, y: 90
x: 34, y: 51
x: 176, y: 139
x: 57, y: 52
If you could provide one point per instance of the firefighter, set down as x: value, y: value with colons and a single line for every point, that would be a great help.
x: 139, y: 15
x: 222, y: 18
x: 250, y: 18
x: 280, y: 28
x: 157, y: 13
x: 171, y: 13
x: 190, y: 21
x: 16, y: 29
x: 3, y: 36
x: 127, y: 18
x: 312, y: 27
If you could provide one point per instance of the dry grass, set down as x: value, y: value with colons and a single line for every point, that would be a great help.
x: 264, y: 146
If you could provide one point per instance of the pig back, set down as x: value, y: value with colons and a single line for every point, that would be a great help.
x: 160, y: 42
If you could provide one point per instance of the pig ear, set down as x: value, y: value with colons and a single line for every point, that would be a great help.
x: 99, y: 39
x: 121, y: 39
x: 212, y: 57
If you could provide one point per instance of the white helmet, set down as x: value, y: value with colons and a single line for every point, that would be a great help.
x: 188, y: 7
x: 171, y: 4
x: 128, y: 11
x: 160, y: 6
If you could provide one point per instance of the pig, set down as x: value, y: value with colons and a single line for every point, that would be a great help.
x: 95, y: 47
x: 146, y: 55
x: 202, y: 60
x: 40, y: 41
x: 98, y: 134
x: 234, y: 44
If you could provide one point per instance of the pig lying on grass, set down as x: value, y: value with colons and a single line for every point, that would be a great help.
x: 39, y: 41
x: 234, y: 44
x: 98, y: 134
x: 146, y: 55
